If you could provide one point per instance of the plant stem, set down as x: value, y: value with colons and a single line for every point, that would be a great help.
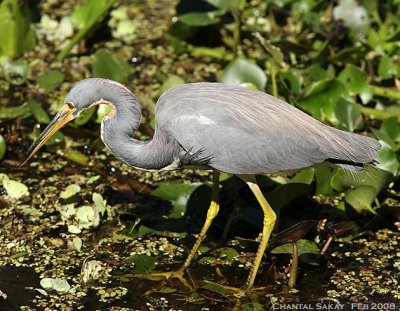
x: 84, y: 31
x: 293, y: 266
x: 378, y: 114
x: 385, y: 92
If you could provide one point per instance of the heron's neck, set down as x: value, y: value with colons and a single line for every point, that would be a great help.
x: 117, y: 134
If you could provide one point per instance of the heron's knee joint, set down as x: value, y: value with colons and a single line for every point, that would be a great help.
x: 213, y: 210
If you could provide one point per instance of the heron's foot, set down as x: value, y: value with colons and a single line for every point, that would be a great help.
x: 240, y: 292
x: 177, y: 274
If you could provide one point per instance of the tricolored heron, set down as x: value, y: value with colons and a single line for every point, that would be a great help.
x: 225, y: 128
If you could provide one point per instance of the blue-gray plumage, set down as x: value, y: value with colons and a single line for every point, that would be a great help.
x: 215, y: 126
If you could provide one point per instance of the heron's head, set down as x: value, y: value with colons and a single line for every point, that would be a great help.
x: 83, y: 95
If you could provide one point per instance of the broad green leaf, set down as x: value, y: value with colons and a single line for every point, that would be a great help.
x: 243, y: 71
x: 16, y: 72
x: 391, y: 128
x: 323, y: 176
x: 356, y: 82
x: 171, y: 82
x: 107, y: 65
x: 349, y: 115
x: 59, y: 285
x: 387, y: 159
x: 70, y: 191
x: 16, y: 36
x: 84, y: 14
x: 361, y: 198
x: 85, y: 116
x: 386, y: 67
x: 99, y: 203
x: 321, y: 99
x: 303, y: 246
x: 14, y: 189
x: 199, y: 18
x: 2, y: 147
x: 21, y: 111
x: 46, y: 283
x: 38, y: 112
x: 303, y: 177
x: 215, y: 288
x: 314, y: 73
x: 102, y: 111
x: 292, y: 79
x: 178, y: 194
x: 77, y: 241
x: 142, y: 263
x: 228, y: 253
x: 371, y: 176
x: 51, y: 79
x: 85, y: 214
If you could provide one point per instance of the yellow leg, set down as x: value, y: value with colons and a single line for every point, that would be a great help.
x: 269, y: 222
x: 211, y: 213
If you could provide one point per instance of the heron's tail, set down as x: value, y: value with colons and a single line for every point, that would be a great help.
x: 351, y: 151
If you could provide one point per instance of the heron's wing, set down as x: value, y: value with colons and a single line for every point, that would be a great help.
x: 243, y: 131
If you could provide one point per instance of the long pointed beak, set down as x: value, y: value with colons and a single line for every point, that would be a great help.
x: 62, y: 117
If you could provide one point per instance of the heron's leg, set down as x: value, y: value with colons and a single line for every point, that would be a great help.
x: 211, y: 213
x: 268, y: 226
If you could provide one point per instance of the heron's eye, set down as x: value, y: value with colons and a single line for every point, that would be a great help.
x: 70, y: 105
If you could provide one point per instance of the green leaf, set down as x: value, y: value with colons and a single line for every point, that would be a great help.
x: 178, y: 194
x: 215, y: 288
x: 99, y: 203
x: 303, y: 177
x: 85, y: 116
x: 107, y: 65
x: 85, y: 214
x: 171, y: 82
x: 323, y: 176
x: 16, y: 36
x: 2, y: 147
x: 387, y: 159
x: 102, y: 111
x: 349, y: 115
x: 304, y: 247
x: 371, y: 176
x: 356, y: 82
x: 386, y: 67
x: 142, y: 263
x: 361, y: 198
x: 51, y: 79
x: 21, y: 111
x: 243, y: 71
x: 85, y: 14
x: 199, y: 18
x: 70, y: 191
x: 16, y: 72
x: 14, y: 189
x: 321, y: 99
x: 391, y: 128
x: 228, y: 253
x: 38, y: 112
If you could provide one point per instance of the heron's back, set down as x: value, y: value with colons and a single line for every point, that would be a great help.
x: 242, y: 131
